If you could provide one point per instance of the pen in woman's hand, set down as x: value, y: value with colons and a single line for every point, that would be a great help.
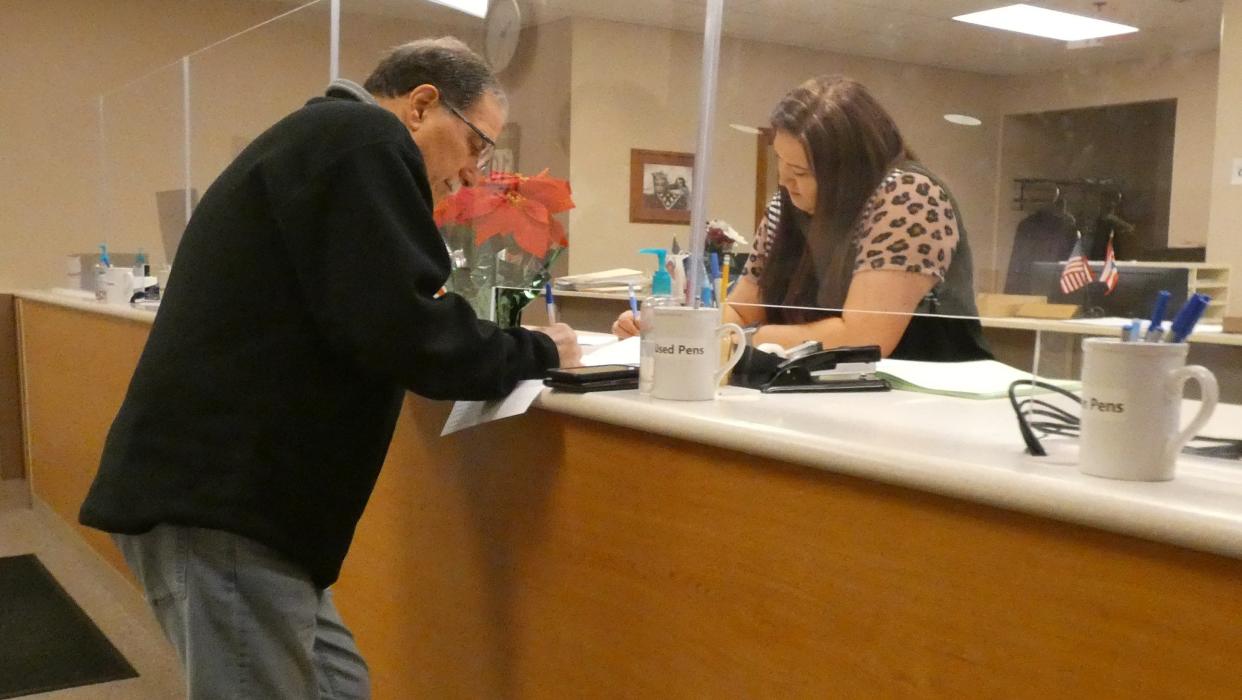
x: 633, y: 302
x: 551, y: 302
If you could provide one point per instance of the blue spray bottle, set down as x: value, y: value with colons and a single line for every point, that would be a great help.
x: 661, y: 295
x: 100, y: 273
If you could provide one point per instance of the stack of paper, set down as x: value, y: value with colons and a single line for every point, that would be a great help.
x: 977, y: 379
x: 617, y: 279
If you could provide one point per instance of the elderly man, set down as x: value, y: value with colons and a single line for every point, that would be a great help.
x: 307, y: 299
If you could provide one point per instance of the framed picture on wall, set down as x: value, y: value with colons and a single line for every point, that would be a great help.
x: 660, y: 186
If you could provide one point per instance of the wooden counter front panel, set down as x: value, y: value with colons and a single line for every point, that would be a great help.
x: 76, y: 370
x: 548, y: 556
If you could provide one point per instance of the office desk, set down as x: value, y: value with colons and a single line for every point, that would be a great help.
x: 609, y: 545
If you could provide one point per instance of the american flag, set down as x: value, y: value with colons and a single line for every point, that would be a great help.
x: 1077, y: 273
x: 1109, y: 274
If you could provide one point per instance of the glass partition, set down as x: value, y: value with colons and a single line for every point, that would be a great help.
x: 244, y: 84
x: 142, y: 158
x: 1033, y: 152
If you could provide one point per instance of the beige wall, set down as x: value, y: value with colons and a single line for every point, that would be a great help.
x: 52, y: 201
x: 59, y: 56
x: 653, y: 104
x: 566, y: 87
x: 1224, y: 238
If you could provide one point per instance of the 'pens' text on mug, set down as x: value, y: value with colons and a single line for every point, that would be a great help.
x: 674, y: 349
x: 1104, y: 406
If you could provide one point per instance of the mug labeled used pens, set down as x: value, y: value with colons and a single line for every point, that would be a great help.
x: 686, y: 355
x: 1131, y: 408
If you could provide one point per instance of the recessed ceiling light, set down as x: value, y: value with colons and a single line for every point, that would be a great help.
x: 745, y: 129
x: 963, y: 119
x: 478, y: 8
x: 1038, y: 21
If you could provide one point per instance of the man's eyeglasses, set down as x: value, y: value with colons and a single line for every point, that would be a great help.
x: 489, y: 146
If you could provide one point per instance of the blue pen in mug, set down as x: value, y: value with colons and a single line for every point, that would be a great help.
x: 1187, y: 317
x: 1155, y: 327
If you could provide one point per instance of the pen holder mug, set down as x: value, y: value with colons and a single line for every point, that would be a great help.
x: 686, y: 357
x: 1131, y: 408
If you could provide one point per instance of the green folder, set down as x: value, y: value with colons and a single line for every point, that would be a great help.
x: 977, y: 379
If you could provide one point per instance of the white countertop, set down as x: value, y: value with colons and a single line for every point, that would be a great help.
x: 961, y: 448
x: 126, y: 311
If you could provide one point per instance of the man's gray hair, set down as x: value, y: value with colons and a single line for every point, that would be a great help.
x: 458, y: 73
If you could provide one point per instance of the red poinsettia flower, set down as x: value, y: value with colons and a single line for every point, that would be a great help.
x: 549, y: 191
x: 511, y: 203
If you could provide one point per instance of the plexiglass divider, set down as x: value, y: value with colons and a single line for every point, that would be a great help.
x: 241, y: 86
x: 603, y: 96
x: 141, y: 165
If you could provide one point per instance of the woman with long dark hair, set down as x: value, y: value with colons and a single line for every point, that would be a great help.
x: 861, y: 245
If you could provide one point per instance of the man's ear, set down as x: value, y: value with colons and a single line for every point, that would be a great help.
x: 420, y: 100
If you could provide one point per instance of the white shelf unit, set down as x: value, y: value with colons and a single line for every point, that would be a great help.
x: 1208, y: 278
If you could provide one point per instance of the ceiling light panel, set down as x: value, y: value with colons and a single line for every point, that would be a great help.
x: 1038, y: 21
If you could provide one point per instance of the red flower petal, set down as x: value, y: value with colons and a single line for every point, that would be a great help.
x: 549, y: 191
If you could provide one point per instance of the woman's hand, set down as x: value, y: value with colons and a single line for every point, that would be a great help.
x: 625, y: 326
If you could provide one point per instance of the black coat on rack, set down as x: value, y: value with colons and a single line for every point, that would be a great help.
x: 1045, y: 236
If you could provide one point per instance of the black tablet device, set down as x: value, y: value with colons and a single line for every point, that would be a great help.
x: 580, y: 375
x: 598, y: 385
x: 602, y: 378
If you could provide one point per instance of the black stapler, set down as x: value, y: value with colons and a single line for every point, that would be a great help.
x: 838, y: 369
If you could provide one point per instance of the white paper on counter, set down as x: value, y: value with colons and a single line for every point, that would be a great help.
x: 467, y: 414
x: 621, y: 352
x: 588, y: 339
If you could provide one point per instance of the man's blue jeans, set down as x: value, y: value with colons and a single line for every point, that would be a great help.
x: 246, y: 622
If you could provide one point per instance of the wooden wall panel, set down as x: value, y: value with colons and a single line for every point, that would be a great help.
x: 77, y: 369
x: 12, y: 452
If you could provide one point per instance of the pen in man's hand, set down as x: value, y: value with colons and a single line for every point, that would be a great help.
x: 633, y: 302
x: 551, y: 301
x: 1155, y: 326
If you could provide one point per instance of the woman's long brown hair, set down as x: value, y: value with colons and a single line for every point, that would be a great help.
x: 851, y: 143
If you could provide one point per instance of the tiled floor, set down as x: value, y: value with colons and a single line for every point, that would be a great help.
x: 110, y: 600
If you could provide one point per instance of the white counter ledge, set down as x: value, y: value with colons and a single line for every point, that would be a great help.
x: 961, y: 448
x: 125, y: 311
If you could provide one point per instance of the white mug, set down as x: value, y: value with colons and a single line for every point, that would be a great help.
x: 686, y: 352
x: 1131, y: 408
x: 118, y: 285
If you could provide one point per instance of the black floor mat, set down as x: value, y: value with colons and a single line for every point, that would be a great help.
x: 46, y: 641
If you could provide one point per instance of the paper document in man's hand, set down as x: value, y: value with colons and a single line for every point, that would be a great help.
x: 467, y: 414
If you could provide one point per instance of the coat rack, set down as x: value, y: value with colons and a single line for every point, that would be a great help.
x: 1028, y: 185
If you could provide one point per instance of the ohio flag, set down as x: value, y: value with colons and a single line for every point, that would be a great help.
x: 1109, y: 274
x: 1077, y: 272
